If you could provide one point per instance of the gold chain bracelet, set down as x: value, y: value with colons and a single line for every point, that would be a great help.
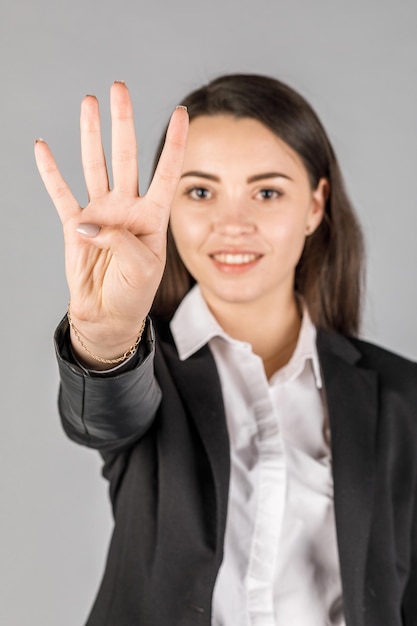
x: 129, y: 352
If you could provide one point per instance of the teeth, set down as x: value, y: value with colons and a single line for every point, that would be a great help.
x: 235, y: 259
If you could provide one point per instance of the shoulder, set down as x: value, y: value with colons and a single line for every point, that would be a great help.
x: 388, y: 364
x: 355, y: 349
x: 381, y: 355
x: 392, y: 369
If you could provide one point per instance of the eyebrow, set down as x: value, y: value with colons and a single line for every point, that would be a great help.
x: 251, y: 179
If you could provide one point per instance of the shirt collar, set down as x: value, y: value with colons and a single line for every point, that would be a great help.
x: 305, y: 350
x: 193, y: 326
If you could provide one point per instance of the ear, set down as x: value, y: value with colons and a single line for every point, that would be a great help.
x: 318, y: 205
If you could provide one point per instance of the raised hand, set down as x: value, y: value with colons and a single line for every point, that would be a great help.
x: 115, y: 246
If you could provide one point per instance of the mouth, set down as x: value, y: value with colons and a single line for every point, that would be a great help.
x: 235, y: 263
x: 241, y: 258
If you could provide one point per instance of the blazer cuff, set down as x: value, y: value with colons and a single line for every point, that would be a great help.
x: 107, y: 409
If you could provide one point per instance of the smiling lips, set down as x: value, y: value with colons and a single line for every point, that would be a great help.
x: 235, y: 261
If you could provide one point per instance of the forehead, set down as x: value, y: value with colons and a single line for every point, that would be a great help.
x: 224, y: 140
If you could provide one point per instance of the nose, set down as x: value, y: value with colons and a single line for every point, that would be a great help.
x: 233, y: 219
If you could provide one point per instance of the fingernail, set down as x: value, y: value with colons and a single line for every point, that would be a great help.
x: 38, y: 140
x: 88, y: 230
x: 121, y: 82
x: 181, y: 106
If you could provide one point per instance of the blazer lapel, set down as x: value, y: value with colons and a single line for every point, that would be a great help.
x: 351, y: 394
x: 198, y: 382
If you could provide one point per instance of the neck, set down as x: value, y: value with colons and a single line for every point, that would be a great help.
x: 271, y: 331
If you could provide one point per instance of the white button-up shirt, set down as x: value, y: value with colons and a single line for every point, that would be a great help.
x: 281, y: 565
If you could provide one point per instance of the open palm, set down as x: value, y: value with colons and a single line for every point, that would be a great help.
x: 115, y: 246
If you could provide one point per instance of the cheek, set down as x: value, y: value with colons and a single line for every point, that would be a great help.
x: 287, y: 240
x: 187, y: 232
x: 286, y: 234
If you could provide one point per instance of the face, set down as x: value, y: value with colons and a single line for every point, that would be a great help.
x: 242, y: 211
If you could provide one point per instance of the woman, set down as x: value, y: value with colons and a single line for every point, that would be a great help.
x: 261, y: 461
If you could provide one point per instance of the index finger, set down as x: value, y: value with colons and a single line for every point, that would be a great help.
x: 168, y: 171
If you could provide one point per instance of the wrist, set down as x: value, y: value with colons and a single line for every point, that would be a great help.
x: 104, y: 354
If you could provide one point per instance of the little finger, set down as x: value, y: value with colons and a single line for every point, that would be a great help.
x: 58, y: 190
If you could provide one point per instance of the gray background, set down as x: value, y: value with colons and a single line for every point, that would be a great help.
x: 356, y: 61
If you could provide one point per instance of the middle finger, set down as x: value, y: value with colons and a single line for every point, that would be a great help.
x: 124, y: 147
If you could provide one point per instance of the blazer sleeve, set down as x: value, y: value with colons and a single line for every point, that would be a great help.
x: 409, y: 604
x: 107, y: 411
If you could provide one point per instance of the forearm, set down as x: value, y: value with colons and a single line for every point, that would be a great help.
x: 107, y: 411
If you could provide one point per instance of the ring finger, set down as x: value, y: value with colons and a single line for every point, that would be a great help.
x: 93, y: 159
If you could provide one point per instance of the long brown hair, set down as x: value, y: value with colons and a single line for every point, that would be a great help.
x: 329, y: 274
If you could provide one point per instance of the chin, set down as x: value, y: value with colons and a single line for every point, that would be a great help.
x: 232, y: 296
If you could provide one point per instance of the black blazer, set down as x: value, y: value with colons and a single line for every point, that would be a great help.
x: 164, y: 442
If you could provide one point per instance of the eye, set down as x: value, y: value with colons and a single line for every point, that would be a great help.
x: 198, y: 193
x: 268, y: 194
